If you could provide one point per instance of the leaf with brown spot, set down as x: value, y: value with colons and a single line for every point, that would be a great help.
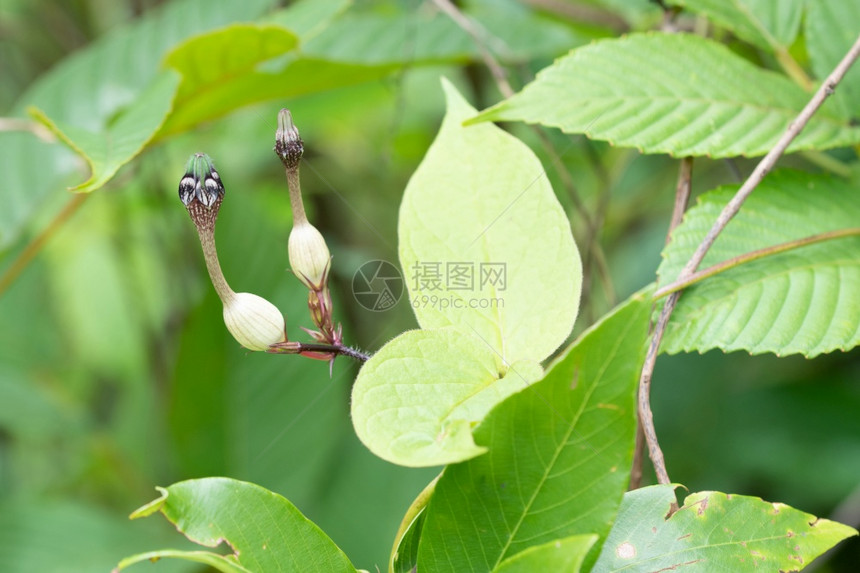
x: 714, y: 531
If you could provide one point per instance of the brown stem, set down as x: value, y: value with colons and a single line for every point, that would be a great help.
x: 682, y: 197
x: 769, y: 160
x: 294, y: 347
x: 581, y: 12
x: 491, y: 62
x: 210, y: 255
x: 295, y: 187
x: 764, y: 166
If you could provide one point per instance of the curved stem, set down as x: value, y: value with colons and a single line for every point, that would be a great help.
x: 295, y: 187
x: 210, y: 255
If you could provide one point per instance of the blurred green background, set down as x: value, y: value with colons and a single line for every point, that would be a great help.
x: 117, y: 374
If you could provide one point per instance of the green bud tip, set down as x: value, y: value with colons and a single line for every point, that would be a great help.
x: 288, y: 145
x: 201, y: 182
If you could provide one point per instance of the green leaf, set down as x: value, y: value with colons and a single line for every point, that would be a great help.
x: 222, y: 62
x: 478, y: 204
x: 801, y: 301
x: 561, y: 556
x: 832, y: 26
x: 559, y: 455
x: 219, y: 562
x: 513, y: 32
x: 119, y: 142
x: 208, y: 59
x: 769, y: 24
x: 713, y: 531
x: 404, y: 554
x: 296, y: 78
x: 264, y: 531
x: 414, y: 402
x: 670, y: 93
x: 92, y: 89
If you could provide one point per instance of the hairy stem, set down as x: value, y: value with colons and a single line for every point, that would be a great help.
x: 294, y: 347
x: 295, y: 187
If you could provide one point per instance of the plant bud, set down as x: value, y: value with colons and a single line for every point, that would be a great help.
x: 201, y: 191
x: 253, y: 321
x: 201, y: 181
x: 288, y: 145
x: 309, y: 256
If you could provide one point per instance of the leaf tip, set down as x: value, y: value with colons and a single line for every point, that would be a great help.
x: 151, y: 507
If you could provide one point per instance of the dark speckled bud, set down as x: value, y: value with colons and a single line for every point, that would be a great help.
x: 201, y: 191
x: 201, y: 182
x: 288, y: 145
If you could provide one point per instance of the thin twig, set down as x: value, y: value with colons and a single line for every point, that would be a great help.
x: 682, y: 198
x: 764, y: 166
x: 769, y: 160
x: 583, y: 13
x: 682, y: 195
x: 294, y: 347
x: 33, y: 248
x: 489, y: 59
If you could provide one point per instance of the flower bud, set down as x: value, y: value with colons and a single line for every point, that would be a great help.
x: 288, y: 145
x: 309, y: 256
x: 201, y: 191
x: 253, y: 321
x: 201, y: 181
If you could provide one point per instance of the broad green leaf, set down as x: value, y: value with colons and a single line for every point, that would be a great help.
x: 713, y: 531
x: 512, y: 31
x: 121, y: 140
x: 221, y: 59
x: 832, y: 26
x: 296, y: 77
x: 415, y: 401
x: 484, y: 243
x: 559, y: 456
x: 560, y: 556
x: 769, y: 24
x: 91, y: 88
x: 670, y: 93
x: 801, y: 301
x: 264, y: 531
x: 208, y: 59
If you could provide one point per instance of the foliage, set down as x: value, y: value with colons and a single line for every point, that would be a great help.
x: 117, y: 373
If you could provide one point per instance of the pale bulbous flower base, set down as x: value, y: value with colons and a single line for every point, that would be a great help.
x: 309, y: 255
x: 253, y: 321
